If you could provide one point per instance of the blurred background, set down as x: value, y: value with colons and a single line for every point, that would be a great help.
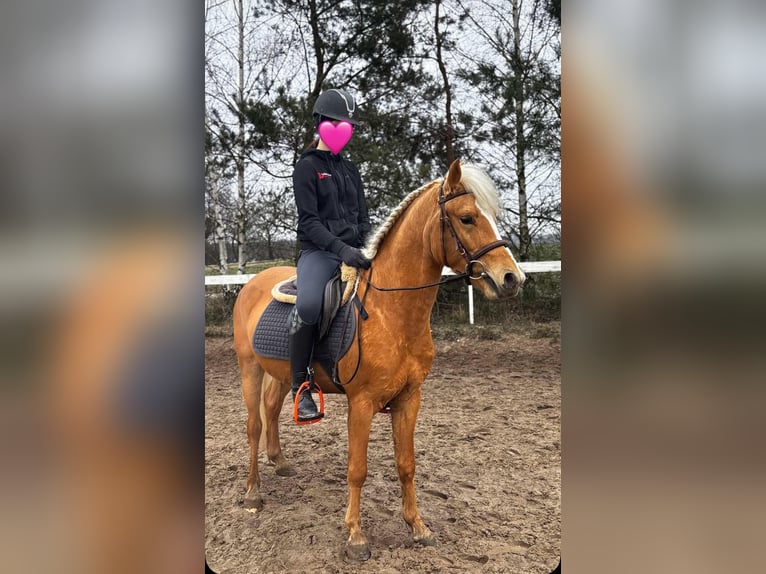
x: 663, y: 180
x: 102, y: 216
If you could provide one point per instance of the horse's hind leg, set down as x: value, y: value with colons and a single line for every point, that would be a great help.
x: 403, y: 418
x: 273, y: 397
x: 252, y: 379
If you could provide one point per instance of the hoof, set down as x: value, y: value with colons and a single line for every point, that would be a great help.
x: 253, y: 503
x: 286, y: 471
x: 358, y: 552
x: 429, y: 540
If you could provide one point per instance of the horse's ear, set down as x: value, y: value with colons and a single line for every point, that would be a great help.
x: 454, y: 175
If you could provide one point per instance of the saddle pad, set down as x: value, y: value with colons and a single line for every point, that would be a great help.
x: 270, y: 336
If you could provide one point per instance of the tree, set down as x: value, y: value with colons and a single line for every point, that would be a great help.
x: 439, y: 40
x: 435, y: 80
x: 214, y: 170
x: 554, y: 9
x: 215, y: 167
x: 366, y: 46
x: 520, y: 93
x: 239, y: 60
x: 273, y: 218
x: 448, y: 127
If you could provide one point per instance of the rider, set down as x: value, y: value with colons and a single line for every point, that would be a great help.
x: 332, y: 225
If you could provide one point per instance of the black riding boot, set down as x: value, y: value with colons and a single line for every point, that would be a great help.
x: 301, y: 344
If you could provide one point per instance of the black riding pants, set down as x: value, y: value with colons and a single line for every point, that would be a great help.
x: 315, y: 268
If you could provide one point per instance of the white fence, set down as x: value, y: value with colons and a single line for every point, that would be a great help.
x: 527, y: 267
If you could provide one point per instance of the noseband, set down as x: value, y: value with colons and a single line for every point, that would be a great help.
x: 471, y: 259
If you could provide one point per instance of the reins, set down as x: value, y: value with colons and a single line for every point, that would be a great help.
x: 416, y: 287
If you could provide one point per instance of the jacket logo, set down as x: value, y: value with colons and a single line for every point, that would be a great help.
x: 323, y: 174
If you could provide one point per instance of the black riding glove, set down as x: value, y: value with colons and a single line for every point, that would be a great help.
x: 354, y: 257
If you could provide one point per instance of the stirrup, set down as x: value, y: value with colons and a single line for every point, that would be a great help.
x: 306, y: 387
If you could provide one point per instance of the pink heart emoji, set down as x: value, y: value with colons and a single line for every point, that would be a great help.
x: 335, y: 136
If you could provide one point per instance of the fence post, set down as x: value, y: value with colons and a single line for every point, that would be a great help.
x: 470, y: 304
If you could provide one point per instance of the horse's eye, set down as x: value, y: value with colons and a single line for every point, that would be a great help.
x: 467, y: 220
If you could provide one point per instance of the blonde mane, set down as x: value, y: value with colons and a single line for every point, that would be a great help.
x: 374, y: 242
x: 473, y: 179
x: 477, y: 182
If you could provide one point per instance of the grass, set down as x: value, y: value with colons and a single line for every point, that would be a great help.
x: 550, y: 330
x: 452, y: 331
x: 218, y: 331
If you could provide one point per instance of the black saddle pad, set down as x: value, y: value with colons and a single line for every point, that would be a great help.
x: 270, y: 336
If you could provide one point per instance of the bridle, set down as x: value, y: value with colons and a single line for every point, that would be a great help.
x: 471, y: 259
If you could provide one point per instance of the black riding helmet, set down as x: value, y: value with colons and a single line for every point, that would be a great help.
x: 336, y: 105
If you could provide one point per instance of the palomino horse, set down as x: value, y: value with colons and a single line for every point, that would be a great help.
x: 448, y: 223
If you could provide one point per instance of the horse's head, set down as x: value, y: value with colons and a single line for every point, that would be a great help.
x: 468, y: 236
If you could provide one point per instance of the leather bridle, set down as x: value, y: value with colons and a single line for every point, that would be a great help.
x: 470, y: 258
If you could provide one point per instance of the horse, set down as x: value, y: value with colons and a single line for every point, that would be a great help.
x: 450, y: 223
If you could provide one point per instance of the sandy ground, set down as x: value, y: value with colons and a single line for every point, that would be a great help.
x: 488, y: 477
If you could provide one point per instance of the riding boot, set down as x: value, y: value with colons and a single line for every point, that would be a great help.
x: 301, y: 344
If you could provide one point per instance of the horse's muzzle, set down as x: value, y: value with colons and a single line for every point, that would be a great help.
x: 510, y: 281
x: 508, y: 287
x: 511, y: 284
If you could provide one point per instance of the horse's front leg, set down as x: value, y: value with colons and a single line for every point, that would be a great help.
x: 404, y: 414
x: 359, y: 422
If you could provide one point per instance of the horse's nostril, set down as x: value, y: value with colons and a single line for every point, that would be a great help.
x: 509, y: 281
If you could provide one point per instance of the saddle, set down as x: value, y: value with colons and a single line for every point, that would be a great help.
x: 337, y: 326
x: 338, y: 291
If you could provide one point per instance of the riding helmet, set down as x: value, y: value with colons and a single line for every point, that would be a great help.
x: 336, y: 104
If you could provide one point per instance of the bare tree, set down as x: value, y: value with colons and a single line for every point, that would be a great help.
x: 219, y: 225
x: 213, y: 168
x: 520, y: 92
x: 449, y: 134
x: 242, y: 52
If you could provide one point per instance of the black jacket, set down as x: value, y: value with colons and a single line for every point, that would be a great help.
x: 332, y: 211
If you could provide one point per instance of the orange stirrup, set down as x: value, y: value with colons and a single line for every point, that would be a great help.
x: 305, y: 387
